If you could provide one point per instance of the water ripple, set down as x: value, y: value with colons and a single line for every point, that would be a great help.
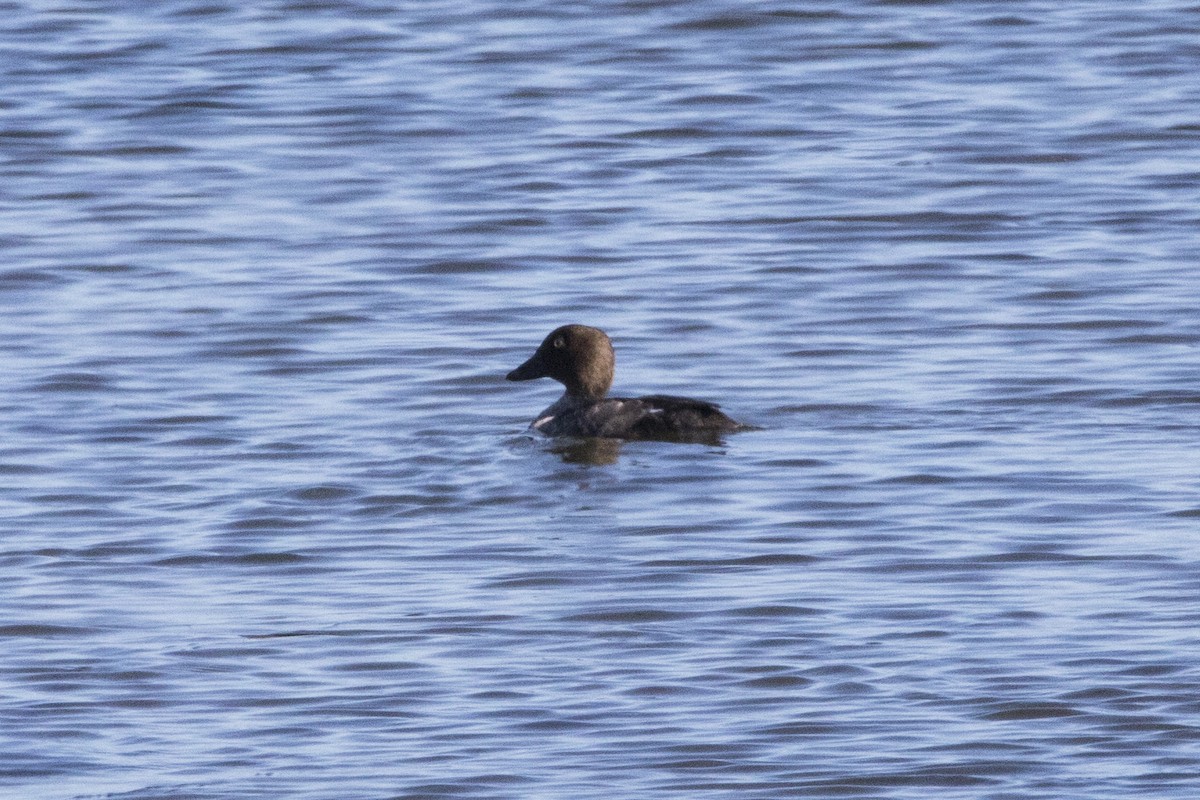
x: 275, y: 527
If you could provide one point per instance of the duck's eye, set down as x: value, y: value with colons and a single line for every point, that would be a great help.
x: 559, y: 343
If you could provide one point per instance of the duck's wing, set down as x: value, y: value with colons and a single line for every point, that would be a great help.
x: 662, y: 416
x: 664, y: 402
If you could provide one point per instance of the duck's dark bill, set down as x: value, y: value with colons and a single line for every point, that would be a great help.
x: 533, y: 368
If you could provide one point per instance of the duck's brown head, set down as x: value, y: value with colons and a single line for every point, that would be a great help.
x: 577, y: 356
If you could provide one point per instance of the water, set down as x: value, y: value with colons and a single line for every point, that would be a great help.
x: 271, y: 523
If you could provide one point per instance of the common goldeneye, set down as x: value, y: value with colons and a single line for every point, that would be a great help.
x: 581, y: 358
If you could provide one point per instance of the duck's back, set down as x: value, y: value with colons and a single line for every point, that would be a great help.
x: 657, y: 416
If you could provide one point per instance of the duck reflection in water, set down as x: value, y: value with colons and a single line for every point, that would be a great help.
x: 592, y: 450
x: 581, y: 358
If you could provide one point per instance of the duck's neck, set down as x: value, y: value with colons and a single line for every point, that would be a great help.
x: 593, y: 379
x: 582, y: 395
x: 572, y: 399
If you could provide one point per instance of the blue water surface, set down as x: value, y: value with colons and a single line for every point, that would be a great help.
x: 272, y: 525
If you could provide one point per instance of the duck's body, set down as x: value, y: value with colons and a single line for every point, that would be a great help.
x: 652, y: 417
x: 582, y: 359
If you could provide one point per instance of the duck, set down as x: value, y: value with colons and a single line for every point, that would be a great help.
x: 582, y: 359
